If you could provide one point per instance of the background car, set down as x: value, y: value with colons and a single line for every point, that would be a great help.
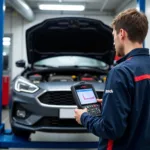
x: 61, y: 52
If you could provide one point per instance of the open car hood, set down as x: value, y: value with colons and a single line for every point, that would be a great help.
x: 70, y: 36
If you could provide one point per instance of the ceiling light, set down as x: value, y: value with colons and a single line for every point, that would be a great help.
x: 6, y: 39
x: 138, y: 8
x: 4, y: 53
x: 4, y: 7
x: 6, y: 43
x: 62, y: 7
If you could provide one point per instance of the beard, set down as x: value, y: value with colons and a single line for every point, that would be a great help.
x: 120, y: 51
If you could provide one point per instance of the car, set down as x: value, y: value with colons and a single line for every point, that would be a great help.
x: 60, y: 52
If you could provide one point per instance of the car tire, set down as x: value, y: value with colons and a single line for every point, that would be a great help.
x: 21, y: 133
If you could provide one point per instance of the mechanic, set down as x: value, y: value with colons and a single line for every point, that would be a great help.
x: 125, y: 120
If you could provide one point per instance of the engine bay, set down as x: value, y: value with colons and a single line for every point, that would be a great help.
x: 57, y: 77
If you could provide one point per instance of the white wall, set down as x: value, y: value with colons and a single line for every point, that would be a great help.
x: 147, y: 11
x: 131, y: 4
x: 16, y: 25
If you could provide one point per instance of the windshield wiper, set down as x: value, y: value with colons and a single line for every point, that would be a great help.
x: 44, y: 66
x: 76, y: 66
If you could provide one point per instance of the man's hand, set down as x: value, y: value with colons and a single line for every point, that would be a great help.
x: 100, y: 101
x: 78, y: 113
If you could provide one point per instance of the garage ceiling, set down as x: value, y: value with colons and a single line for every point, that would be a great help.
x: 92, y: 7
x: 108, y: 6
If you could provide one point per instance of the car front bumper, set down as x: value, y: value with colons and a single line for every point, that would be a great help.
x: 41, y: 117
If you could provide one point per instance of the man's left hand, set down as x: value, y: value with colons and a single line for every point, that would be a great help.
x: 78, y: 113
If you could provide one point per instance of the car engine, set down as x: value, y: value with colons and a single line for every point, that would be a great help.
x: 53, y: 77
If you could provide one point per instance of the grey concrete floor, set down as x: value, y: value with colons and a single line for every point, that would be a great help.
x: 40, y: 136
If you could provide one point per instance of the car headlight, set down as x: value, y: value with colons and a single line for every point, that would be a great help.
x: 23, y: 85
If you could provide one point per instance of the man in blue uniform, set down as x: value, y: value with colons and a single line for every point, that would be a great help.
x: 125, y: 120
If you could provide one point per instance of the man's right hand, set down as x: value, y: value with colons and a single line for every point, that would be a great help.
x: 100, y: 101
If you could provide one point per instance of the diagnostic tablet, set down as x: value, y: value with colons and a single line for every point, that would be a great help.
x: 85, y: 96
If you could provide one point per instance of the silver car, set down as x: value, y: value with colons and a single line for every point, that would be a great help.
x: 60, y: 51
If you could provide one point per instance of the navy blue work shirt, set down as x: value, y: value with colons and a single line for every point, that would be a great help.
x: 125, y: 120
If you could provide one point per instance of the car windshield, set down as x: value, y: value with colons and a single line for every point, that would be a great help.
x: 62, y: 61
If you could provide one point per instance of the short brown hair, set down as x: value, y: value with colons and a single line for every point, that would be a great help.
x: 135, y: 23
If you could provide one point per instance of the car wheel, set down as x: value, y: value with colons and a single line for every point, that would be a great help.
x: 21, y: 133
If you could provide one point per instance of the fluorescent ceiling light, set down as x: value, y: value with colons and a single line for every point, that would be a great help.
x: 4, y: 7
x: 4, y: 53
x: 138, y: 8
x: 6, y: 43
x: 62, y: 7
x: 6, y: 39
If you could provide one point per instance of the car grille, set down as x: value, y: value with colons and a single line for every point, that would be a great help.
x: 56, y: 122
x: 60, y: 98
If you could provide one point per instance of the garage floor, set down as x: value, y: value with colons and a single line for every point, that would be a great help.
x: 39, y: 136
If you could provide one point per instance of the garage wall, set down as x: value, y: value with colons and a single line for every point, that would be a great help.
x: 131, y: 4
x: 16, y: 25
x: 147, y: 11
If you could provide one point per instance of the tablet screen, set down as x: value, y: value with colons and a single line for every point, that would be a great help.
x: 86, y: 96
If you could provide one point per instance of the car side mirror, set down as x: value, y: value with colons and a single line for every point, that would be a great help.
x: 20, y: 63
